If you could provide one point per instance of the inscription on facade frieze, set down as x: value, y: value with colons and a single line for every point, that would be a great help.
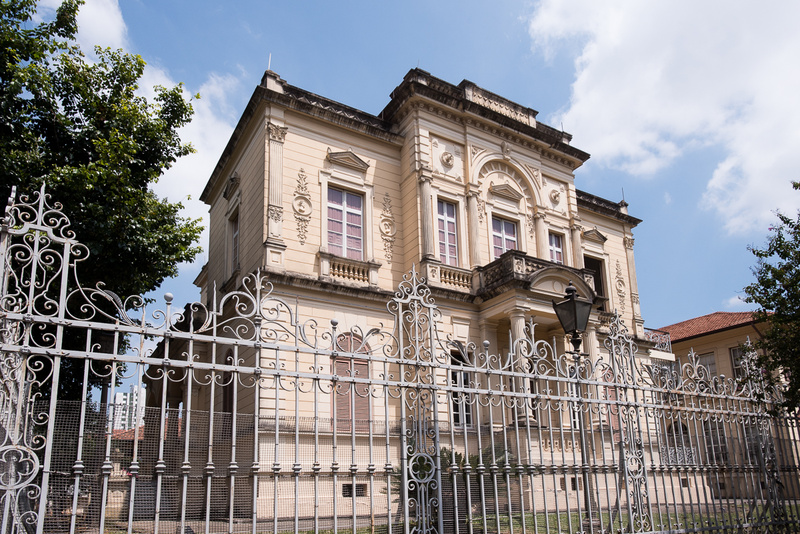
x: 501, y: 106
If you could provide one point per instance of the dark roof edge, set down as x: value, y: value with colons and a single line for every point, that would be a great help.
x: 715, y: 331
x: 305, y: 102
x: 605, y: 207
x: 418, y: 82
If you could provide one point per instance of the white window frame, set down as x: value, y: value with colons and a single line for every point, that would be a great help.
x: 450, y: 238
x: 355, y: 185
x: 502, y: 235
x: 346, y: 211
x: 736, y: 361
x: 462, y: 414
x: 556, y: 249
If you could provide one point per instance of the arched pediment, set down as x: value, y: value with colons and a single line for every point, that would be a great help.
x: 503, y: 179
x: 553, y: 281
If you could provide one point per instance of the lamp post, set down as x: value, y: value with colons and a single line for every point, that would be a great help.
x: 573, y: 314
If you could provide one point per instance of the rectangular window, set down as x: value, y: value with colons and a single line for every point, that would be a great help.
x: 596, y: 267
x: 504, y: 236
x: 345, y: 224
x: 448, y: 247
x: 361, y: 490
x: 736, y: 361
x: 351, y: 399
x: 556, y: 248
x: 716, y: 443
x: 234, y: 226
x: 709, y: 362
x: 460, y: 379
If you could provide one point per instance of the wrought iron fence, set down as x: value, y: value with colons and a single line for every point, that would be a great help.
x: 254, y: 419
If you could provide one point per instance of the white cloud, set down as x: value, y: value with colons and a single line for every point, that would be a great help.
x: 655, y: 80
x: 736, y: 303
x: 100, y: 23
x: 667, y: 198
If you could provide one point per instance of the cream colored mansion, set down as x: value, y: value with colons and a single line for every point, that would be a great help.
x: 336, y: 205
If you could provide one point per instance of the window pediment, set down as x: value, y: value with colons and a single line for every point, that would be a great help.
x: 594, y: 235
x: 505, y: 191
x: 348, y: 159
x: 230, y: 186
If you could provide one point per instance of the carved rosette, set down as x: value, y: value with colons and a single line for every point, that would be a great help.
x: 620, y: 285
x: 388, y: 228
x: 302, y: 206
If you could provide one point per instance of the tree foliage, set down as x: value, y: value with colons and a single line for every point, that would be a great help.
x: 79, y: 125
x: 776, y: 291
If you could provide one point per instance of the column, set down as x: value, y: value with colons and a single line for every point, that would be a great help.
x: 473, y: 228
x: 426, y: 215
x: 577, y: 243
x: 540, y: 228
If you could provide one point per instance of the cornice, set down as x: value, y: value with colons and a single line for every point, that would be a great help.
x: 605, y: 207
x: 462, y: 99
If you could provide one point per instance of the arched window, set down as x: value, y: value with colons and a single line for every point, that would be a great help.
x: 459, y: 379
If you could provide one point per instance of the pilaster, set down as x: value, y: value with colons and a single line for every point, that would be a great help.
x: 274, y: 245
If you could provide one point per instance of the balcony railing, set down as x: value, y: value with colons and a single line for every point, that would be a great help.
x: 659, y: 338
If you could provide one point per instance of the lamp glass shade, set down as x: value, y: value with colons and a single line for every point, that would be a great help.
x: 573, y: 313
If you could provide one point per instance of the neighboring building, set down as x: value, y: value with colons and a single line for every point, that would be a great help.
x: 716, y: 339
x: 129, y: 408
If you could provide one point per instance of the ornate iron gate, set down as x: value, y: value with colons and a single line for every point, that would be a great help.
x: 242, y: 416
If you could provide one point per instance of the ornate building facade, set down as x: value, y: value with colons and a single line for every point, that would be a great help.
x: 337, y: 205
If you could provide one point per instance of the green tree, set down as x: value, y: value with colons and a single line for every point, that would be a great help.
x: 80, y: 126
x: 776, y: 291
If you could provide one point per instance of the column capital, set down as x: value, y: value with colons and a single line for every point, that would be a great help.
x: 425, y: 175
x: 276, y: 133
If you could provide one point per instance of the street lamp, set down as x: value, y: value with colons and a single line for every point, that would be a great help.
x: 573, y: 314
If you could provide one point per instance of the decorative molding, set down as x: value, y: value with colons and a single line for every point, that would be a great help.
x: 275, y: 213
x: 505, y: 191
x: 537, y: 175
x: 231, y: 186
x: 594, y: 235
x: 531, y: 223
x: 447, y: 159
x: 501, y: 105
x: 302, y: 206
x: 555, y: 196
x: 475, y: 150
x: 481, y: 209
x: 276, y: 133
x: 620, y: 285
x: 505, y: 148
x: 628, y: 242
x: 388, y: 228
x: 347, y: 159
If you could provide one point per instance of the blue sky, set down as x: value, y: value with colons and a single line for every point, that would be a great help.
x: 691, y: 108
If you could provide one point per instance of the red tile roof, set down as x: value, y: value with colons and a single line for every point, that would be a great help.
x: 713, y: 322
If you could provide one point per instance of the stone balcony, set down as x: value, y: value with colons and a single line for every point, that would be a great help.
x: 512, y: 270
